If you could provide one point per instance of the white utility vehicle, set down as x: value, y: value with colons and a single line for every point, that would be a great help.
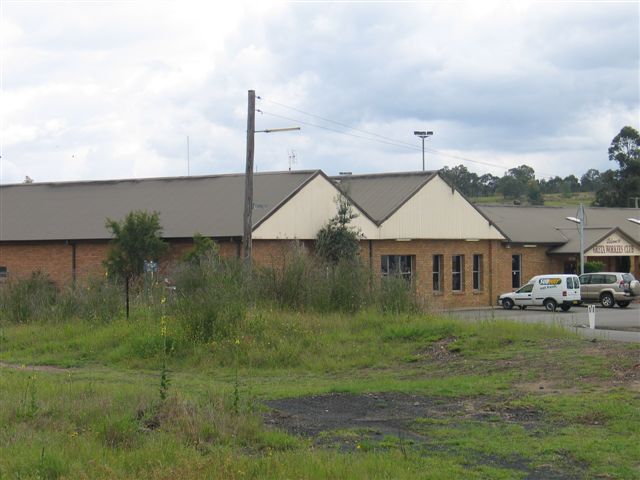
x: 550, y: 291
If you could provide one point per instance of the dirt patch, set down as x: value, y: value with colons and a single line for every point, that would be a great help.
x: 442, y: 350
x: 393, y: 421
x: 35, y: 368
x: 380, y: 413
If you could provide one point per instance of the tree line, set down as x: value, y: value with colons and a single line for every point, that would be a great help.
x: 614, y: 187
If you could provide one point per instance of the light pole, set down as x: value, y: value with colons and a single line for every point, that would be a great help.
x: 248, y: 181
x: 422, y: 135
x: 636, y: 221
x: 580, y: 221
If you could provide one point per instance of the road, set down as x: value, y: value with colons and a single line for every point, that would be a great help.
x: 621, y: 324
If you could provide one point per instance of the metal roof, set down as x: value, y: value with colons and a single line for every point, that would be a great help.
x: 210, y: 205
x: 380, y: 195
x: 548, y: 225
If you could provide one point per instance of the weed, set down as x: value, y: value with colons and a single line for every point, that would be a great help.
x: 164, y: 372
x: 28, y: 407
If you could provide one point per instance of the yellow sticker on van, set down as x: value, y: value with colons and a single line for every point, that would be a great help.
x: 550, y: 281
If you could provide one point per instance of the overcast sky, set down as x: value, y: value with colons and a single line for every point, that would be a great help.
x: 98, y: 90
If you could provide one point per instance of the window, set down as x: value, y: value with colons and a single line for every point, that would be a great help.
x: 400, y: 265
x: 528, y: 288
x: 437, y: 273
x: 477, y: 272
x: 516, y: 261
x: 457, y: 273
x: 3, y: 272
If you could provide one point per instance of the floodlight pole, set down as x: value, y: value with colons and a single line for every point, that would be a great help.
x: 422, y: 135
x: 580, y: 221
x: 581, y: 217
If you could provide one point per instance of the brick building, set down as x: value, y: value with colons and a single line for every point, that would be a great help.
x: 413, y: 224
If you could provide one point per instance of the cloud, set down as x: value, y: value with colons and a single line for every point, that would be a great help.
x: 108, y: 90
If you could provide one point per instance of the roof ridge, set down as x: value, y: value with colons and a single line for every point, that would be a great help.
x: 151, y: 179
x: 388, y: 174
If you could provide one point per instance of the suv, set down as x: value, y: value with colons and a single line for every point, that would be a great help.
x: 609, y: 288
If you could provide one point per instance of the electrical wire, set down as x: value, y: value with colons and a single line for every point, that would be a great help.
x: 377, y: 137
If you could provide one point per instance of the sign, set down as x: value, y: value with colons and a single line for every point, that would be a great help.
x: 614, y: 246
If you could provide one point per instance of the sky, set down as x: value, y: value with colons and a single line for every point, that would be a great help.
x: 108, y: 90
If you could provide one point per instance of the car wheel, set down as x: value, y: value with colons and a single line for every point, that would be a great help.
x: 606, y: 299
x: 624, y: 304
x: 565, y: 308
x: 507, y: 304
x: 550, y: 304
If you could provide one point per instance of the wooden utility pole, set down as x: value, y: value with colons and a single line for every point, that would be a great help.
x: 248, y: 181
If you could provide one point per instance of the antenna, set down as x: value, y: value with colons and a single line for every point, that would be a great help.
x: 188, y: 169
x: 292, y: 158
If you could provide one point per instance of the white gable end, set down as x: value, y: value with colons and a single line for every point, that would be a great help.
x: 307, y: 212
x: 438, y: 212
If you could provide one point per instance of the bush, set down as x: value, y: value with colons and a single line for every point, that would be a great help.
x: 396, y: 295
x: 348, y: 286
x: 292, y: 283
x: 305, y: 282
x: 593, y: 266
x: 97, y: 299
x: 210, y: 298
x: 36, y: 298
x: 29, y: 299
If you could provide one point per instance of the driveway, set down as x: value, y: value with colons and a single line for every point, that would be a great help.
x: 622, y: 324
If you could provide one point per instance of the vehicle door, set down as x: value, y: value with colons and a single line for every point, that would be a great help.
x: 573, y: 288
x: 586, y: 289
x: 522, y: 297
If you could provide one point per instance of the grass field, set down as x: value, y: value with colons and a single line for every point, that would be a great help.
x: 550, y: 199
x: 295, y: 395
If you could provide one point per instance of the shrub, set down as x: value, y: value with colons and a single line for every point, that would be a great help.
x: 396, y: 295
x: 97, y: 299
x: 293, y: 281
x: 210, y: 298
x: 29, y: 299
x: 349, y: 286
x: 593, y: 266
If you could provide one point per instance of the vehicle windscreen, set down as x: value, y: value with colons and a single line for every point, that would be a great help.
x: 627, y: 277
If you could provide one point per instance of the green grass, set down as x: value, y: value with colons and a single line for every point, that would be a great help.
x: 550, y: 199
x: 101, y: 416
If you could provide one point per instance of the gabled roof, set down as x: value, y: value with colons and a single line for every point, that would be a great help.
x: 211, y: 205
x: 592, y: 237
x: 380, y: 195
x: 548, y: 225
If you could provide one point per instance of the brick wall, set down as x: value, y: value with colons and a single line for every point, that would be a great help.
x: 423, y: 252
x: 24, y: 258
x: 55, y: 258
x: 534, y: 261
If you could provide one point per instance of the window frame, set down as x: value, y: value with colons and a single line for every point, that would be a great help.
x: 457, y: 273
x: 398, y: 263
x: 436, y: 274
x: 477, y: 272
x: 519, y: 271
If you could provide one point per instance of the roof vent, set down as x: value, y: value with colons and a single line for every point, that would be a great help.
x: 345, y: 173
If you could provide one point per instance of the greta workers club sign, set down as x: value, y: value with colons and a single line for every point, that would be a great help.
x: 614, y: 245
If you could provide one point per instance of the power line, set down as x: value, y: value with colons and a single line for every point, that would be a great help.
x: 392, y: 142
x: 385, y: 140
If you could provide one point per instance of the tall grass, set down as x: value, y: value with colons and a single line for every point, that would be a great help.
x: 210, y: 295
x: 37, y: 298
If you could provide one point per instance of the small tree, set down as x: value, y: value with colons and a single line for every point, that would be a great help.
x: 135, y: 239
x: 203, y: 248
x: 338, y: 240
